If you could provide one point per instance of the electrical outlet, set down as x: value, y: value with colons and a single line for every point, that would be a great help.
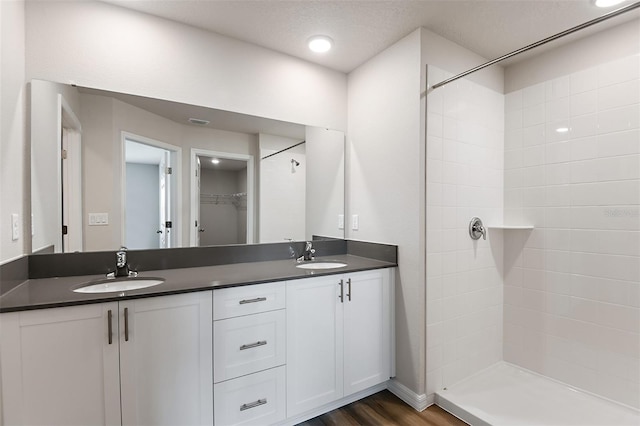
x: 15, y: 227
x: 355, y: 222
x: 340, y: 221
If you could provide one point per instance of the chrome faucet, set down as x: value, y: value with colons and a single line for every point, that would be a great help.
x: 308, y: 253
x: 122, y: 267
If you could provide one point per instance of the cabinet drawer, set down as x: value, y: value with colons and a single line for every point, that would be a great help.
x: 248, y: 344
x: 250, y: 299
x: 256, y: 399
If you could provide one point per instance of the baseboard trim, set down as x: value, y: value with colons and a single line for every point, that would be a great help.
x: 418, y: 402
x: 333, y: 405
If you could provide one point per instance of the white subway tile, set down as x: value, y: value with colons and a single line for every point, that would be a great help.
x: 584, y: 80
x: 557, y: 109
x: 533, y: 135
x: 557, y: 88
x: 619, y: 143
x: 619, y: 119
x: 533, y: 95
x: 559, y: 152
x: 619, y: 95
x: 513, y: 100
x: 619, y: 316
x: 584, y: 148
x: 533, y: 156
x: 434, y: 124
x: 583, y: 103
x: 584, y: 309
x: 557, y: 174
x: 533, y: 115
x: 434, y: 148
x: 585, y: 125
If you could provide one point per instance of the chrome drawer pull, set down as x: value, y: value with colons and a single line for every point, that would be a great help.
x: 253, y: 404
x: 253, y: 345
x: 257, y: 299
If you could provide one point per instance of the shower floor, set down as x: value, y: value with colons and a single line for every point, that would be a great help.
x: 505, y: 395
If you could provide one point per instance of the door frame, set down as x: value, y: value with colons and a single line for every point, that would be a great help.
x: 68, y: 121
x: 195, y: 195
x: 177, y: 172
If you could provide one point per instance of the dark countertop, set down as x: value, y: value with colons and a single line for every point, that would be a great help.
x: 56, y: 292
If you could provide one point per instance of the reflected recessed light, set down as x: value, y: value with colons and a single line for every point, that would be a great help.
x: 607, y: 3
x: 215, y: 161
x: 199, y: 121
x: 562, y: 129
x: 320, y: 43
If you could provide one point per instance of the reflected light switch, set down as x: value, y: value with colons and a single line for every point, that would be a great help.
x: 98, y: 219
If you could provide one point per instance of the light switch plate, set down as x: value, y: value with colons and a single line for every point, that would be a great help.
x: 355, y: 222
x: 98, y: 219
x: 15, y: 227
x: 340, y: 221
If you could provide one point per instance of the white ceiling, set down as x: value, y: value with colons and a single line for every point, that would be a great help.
x: 363, y: 28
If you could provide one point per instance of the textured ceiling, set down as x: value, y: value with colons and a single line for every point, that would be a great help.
x: 363, y: 28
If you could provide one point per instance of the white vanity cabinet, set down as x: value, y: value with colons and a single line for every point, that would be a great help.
x: 143, y: 361
x: 338, y: 337
x: 249, y: 354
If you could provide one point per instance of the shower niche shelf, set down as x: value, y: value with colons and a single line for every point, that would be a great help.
x: 512, y: 227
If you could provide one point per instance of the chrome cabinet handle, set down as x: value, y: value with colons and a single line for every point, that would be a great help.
x: 341, y: 297
x: 253, y: 345
x: 253, y: 404
x: 126, y: 324
x: 349, y: 294
x: 257, y: 299
x: 110, y: 325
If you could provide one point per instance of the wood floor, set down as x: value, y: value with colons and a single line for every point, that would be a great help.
x: 384, y: 408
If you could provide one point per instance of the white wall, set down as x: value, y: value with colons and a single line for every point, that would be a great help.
x: 465, y: 143
x: 572, y: 285
x: 386, y: 185
x: 386, y: 172
x: 94, y: 44
x: 14, y: 194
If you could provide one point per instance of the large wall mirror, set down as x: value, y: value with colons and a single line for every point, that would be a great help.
x: 111, y: 169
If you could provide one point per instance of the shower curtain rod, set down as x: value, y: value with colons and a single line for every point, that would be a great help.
x: 283, y: 150
x: 541, y: 42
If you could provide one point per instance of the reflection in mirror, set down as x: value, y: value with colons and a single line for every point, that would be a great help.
x: 222, y: 215
x: 111, y: 169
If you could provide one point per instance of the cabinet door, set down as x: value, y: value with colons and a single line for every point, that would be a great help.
x: 58, y: 367
x: 367, y: 343
x: 314, y: 343
x: 166, y: 360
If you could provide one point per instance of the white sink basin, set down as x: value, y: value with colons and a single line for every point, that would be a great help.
x: 109, y: 285
x: 321, y: 265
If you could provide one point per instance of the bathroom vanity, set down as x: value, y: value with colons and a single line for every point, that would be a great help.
x: 247, y: 343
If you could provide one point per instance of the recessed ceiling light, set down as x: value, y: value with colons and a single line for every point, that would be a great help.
x: 607, y: 3
x: 215, y: 161
x: 320, y: 43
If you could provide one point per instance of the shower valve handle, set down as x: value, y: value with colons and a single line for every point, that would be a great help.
x: 476, y: 229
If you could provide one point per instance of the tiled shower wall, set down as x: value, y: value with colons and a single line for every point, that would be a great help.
x: 572, y: 285
x: 465, y: 146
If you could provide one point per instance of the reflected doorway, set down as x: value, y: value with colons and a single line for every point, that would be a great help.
x: 150, y: 187
x: 222, y: 193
